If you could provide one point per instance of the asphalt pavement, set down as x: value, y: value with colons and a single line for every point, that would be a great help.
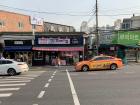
x: 51, y: 85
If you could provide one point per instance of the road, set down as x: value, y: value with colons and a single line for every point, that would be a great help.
x: 63, y: 86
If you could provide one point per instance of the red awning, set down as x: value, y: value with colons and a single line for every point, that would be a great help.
x: 58, y: 48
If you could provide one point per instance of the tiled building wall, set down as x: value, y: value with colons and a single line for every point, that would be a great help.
x: 14, y: 22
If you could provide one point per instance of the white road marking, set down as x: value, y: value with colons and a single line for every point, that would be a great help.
x: 52, y: 76
x: 14, y: 81
x: 5, y: 94
x: 20, y: 84
x: 35, y: 104
x: 30, y: 75
x: 74, y: 94
x: 21, y: 77
x: 47, y: 85
x: 8, y: 89
x: 41, y: 94
x: 55, y: 71
x: 49, y: 80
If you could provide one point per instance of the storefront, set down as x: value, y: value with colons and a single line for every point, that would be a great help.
x: 130, y: 40
x: 18, y: 48
x: 47, y: 48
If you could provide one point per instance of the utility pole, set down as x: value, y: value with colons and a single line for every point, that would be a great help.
x: 97, y: 30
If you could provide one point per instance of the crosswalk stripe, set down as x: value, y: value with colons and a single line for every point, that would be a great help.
x: 21, y: 77
x: 30, y: 75
x: 5, y: 94
x: 8, y: 89
x: 20, y: 84
x: 14, y: 81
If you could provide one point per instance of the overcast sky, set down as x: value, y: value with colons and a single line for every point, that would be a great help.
x: 73, y: 12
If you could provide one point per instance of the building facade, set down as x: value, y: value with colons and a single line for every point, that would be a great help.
x: 127, y: 24
x: 39, y: 44
x: 53, y: 27
x: 130, y: 42
x: 18, y: 46
x: 15, y: 22
x: 135, y: 22
x: 48, y: 47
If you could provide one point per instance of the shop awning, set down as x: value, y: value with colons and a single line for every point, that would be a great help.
x: 58, y: 48
x: 17, y: 48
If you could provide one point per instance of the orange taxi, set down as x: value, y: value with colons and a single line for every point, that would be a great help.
x: 99, y: 62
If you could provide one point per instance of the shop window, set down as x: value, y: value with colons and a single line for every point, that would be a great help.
x: 38, y: 55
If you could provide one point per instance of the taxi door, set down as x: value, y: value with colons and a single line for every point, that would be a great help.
x: 96, y: 63
x: 100, y: 63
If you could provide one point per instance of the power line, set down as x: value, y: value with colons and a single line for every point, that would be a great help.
x: 66, y: 14
x: 119, y: 9
x: 42, y: 12
x: 93, y: 14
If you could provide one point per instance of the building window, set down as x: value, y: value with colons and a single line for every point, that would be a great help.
x: 20, y: 25
x: 33, y: 26
x: 2, y: 23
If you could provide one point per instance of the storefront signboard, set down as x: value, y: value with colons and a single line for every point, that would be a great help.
x: 53, y: 41
x: 18, y: 42
x: 58, y: 40
x: 127, y: 38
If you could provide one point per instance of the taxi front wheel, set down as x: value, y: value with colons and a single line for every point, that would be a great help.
x: 113, y: 66
x: 85, y: 68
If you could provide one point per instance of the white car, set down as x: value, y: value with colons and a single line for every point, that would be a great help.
x: 11, y: 67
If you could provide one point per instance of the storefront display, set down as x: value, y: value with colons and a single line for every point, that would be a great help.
x: 67, y: 48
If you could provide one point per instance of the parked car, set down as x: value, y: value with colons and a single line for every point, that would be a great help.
x: 99, y: 62
x: 12, y: 67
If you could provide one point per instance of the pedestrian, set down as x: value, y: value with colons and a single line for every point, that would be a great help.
x: 58, y: 61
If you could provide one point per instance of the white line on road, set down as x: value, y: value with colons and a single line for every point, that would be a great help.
x: 41, y: 94
x: 8, y: 89
x: 47, y: 85
x: 52, y: 76
x: 14, y: 81
x: 21, y: 77
x: 55, y: 71
x: 5, y: 95
x: 30, y: 75
x: 20, y: 84
x: 49, y: 80
x: 74, y: 94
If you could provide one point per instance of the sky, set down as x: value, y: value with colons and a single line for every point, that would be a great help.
x: 73, y: 12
